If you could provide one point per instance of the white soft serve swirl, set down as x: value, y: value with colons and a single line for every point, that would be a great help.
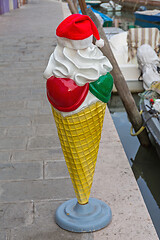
x: 85, y: 65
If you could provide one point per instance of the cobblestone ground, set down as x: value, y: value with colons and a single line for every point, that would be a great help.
x: 32, y: 168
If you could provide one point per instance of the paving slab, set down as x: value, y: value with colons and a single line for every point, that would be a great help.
x: 34, y: 155
x: 22, y: 131
x: 13, y: 143
x: 5, y: 234
x: 14, y: 121
x: 15, y: 191
x: 21, y: 170
x: 40, y: 142
x: 15, y: 215
x: 55, y: 169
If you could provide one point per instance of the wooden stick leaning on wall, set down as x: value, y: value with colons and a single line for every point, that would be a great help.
x: 72, y: 7
x: 121, y: 85
x: 83, y: 6
x: 119, y: 81
x: 75, y: 5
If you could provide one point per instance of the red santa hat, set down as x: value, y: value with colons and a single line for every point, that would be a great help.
x: 77, y: 31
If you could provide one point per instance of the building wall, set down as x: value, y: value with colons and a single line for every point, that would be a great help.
x: 7, y: 5
x: 4, y: 6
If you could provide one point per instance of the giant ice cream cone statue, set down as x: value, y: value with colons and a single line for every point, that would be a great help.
x: 78, y: 87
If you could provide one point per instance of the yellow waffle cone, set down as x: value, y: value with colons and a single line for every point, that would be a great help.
x: 80, y: 135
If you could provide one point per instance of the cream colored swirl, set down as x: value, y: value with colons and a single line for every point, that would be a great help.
x: 85, y: 65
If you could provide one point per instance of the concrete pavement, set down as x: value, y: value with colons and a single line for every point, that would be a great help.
x: 33, y: 176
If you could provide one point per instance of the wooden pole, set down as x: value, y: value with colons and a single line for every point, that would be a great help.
x: 71, y: 7
x: 83, y: 6
x: 120, y: 83
x: 75, y: 5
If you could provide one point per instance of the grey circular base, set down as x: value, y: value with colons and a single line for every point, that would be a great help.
x: 90, y: 217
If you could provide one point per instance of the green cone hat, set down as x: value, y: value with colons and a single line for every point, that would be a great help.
x: 102, y: 87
